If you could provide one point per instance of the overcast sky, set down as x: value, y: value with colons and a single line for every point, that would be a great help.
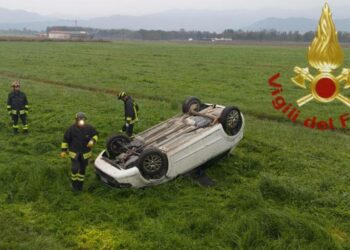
x: 88, y: 8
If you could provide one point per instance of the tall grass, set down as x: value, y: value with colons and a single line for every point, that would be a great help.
x: 284, y: 187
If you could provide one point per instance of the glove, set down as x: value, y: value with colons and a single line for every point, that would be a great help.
x: 90, y: 144
x: 63, y: 154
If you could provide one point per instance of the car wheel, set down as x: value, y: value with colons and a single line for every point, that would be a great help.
x: 191, y: 102
x: 116, y: 145
x: 153, y: 164
x: 231, y: 120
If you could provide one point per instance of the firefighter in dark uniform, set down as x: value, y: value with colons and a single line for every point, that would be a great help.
x: 130, y: 113
x: 77, y: 142
x: 17, y: 107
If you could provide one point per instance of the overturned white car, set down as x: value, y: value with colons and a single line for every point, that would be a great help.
x: 171, y: 148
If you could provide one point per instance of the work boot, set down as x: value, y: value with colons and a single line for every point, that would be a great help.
x: 25, y: 128
x: 80, y: 185
x: 75, y: 186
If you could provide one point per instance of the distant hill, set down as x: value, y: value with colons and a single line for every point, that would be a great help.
x: 202, y: 20
x: 175, y: 20
x: 295, y: 24
x: 287, y: 24
x: 168, y: 20
x: 36, y: 26
x: 21, y: 16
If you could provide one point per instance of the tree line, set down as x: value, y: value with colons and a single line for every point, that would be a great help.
x: 229, y: 34
x: 263, y: 35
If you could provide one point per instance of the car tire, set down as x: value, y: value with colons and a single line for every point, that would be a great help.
x: 115, y: 145
x: 189, y: 102
x: 231, y: 120
x: 153, y: 164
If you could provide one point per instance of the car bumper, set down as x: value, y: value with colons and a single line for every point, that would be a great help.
x: 116, y: 177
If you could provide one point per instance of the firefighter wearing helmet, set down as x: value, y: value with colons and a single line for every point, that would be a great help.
x: 17, y: 107
x: 78, y: 141
x: 130, y: 112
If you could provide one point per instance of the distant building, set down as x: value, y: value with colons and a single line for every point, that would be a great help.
x: 222, y: 39
x: 42, y: 35
x: 69, y: 35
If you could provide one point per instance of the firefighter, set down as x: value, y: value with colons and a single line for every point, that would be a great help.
x: 130, y: 112
x: 17, y: 107
x: 77, y: 142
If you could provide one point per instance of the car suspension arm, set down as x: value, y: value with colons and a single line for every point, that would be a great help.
x: 213, y: 117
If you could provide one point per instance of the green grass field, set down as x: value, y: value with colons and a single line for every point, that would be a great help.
x: 284, y: 187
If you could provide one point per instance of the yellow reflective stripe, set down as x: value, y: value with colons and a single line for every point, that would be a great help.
x: 26, y: 126
x: 21, y: 112
x: 8, y: 106
x: 80, y: 177
x: 128, y: 118
x: 77, y: 177
x: 15, y: 126
x: 74, y: 177
x: 87, y: 155
x: 64, y: 145
x: 72, y: 154
x: 26, y: 106
x: 133, y: 121
x: 95, y: 138
x: 135, y: 111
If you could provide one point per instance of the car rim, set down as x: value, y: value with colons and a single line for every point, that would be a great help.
x: 152, y: 163
x: 232, y: 120
x: 194, y: 106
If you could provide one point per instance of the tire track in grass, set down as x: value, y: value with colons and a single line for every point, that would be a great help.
x: 257, y: 115
x: 79, y: 87
x: 282, y: 119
